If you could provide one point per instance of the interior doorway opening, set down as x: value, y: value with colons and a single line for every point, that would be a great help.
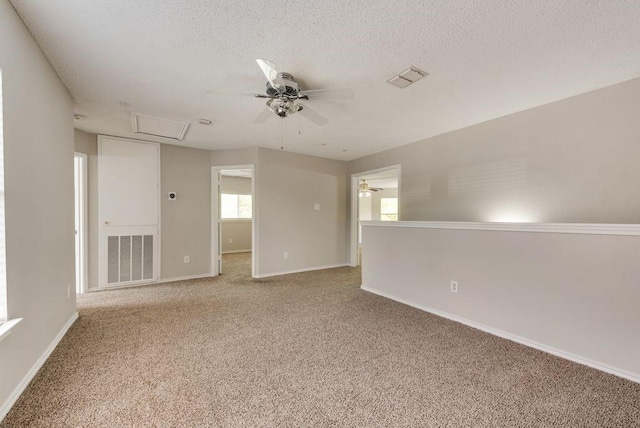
x: 375, y: 196
x: 233, y: 220
x: 80, y: 217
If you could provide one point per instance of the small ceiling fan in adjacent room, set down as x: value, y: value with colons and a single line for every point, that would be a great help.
x: 365, y: 189
x: 283, y: 94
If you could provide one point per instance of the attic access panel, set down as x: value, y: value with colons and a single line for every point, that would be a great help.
x: 158, y: 127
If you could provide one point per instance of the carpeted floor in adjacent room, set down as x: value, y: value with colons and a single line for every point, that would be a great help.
x: 301, y: 350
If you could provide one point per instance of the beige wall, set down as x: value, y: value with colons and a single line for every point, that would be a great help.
x: 571, y: 161
x: 39, y: 200
x: 239, y: 232
x: 239, y: 185
x: 289, y: 185
x: 576, y: 293
x: 185, y: 222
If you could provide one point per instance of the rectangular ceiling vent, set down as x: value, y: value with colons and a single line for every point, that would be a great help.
x: 158, y: 127
x: 407, y: 77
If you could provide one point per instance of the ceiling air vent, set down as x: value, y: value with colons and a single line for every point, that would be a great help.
x: 158, y: 127
x: 407, y: 77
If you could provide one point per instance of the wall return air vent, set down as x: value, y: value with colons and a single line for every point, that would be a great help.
x: 158, y: 127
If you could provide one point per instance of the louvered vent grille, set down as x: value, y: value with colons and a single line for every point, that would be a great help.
x: 130, y: 258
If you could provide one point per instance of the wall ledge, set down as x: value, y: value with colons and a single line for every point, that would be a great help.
x: 576, y: 228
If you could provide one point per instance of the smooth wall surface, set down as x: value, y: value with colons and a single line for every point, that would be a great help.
x: 577, y: 293
x: 289, y: 187
x: 39, y: 200
x: 573, y: 161
x: 236, y: 236
x: 185, y: 222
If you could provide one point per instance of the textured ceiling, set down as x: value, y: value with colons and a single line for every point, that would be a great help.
x: 486, y: 59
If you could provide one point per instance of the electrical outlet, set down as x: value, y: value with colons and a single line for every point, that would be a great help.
x: 68, y: 291
x: 230, y: 241
x: 186, y: 259
x: 454, y: 286
x: 286, y: 255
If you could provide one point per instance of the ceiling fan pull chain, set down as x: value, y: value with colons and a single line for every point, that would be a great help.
x: 299, y: 131
x: 281, y: 133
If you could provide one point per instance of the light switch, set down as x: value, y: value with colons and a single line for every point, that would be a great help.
x: 316, y: 207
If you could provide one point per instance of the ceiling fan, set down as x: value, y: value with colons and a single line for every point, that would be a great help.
x: 283, y: 94
x: 365, y: 189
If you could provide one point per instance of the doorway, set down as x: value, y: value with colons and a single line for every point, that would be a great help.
x: 80, y: 216
x: 375, y: 196
x: 233, y: 220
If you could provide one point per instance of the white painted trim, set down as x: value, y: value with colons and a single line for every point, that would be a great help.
x: 236, y: 251
x: 184, y: 278
x: 84, y: 220
x: 575, y: 228
x: 266, y: 275
x: 215, y: 239
x: 353, y: 225
x: 125, y: 285
x: 5, y: 327
x: 634, y: 377
x: 13, y: 397
x: 142, y: 284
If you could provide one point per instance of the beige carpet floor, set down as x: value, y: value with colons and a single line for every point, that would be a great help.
x: 301, y: 350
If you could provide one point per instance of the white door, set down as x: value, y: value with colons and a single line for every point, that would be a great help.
x: 128, y: 211
x: 80, y: 182
x: 216, y: 227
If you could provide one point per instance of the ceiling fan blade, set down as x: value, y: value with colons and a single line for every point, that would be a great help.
x: 233, y: 94
x: 328, y: 94
x: 312, y: 115
x: 269, y: 70
x: 263, y: 116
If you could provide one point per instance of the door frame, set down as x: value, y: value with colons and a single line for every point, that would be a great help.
x: 82, y: 272
x: 353, y: 224
x: 216, y: 250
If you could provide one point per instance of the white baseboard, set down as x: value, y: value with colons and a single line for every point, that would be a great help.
x: 634, y: 377
x: 34, y: 369
x: 143, y: 284
x: 236, y: 251
x: 184, y: 278
x: 266, y: 275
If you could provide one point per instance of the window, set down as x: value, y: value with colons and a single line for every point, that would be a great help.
x: 3, y: 260
x: 235, y: 206
x: 389, y: 209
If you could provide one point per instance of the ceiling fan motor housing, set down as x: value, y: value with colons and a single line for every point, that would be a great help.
x: 291, y: 87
